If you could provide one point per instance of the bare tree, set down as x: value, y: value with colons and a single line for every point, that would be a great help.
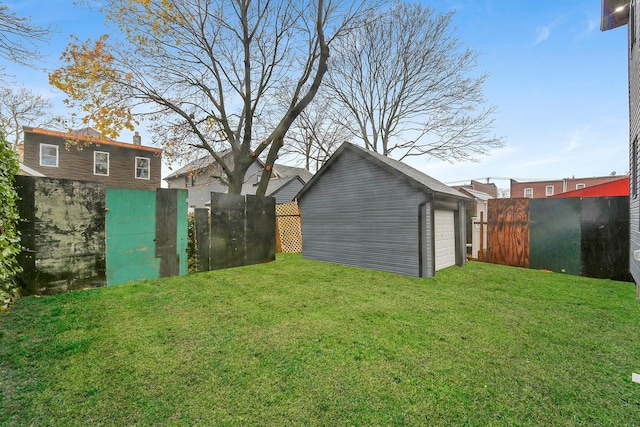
x: 409, y: 87
x: 21, y: 107
x: 204, y: 71
x: 19, y: 37
x: 316, y: 133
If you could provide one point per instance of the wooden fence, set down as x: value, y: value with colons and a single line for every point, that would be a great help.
x: 79, y: 234
x: 239, y: 230
x: 288, y: 230
x: 587, y: 237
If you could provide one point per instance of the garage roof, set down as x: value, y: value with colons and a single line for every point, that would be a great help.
x: 404, y: 171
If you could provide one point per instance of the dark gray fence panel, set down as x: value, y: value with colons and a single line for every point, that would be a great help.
x: 605, y: 238
x: 201, y: 218
x: 167, y: 232
x: 63, y: 234
x: 242, y: 230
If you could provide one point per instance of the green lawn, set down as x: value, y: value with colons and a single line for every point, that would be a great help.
x: 298, y: 342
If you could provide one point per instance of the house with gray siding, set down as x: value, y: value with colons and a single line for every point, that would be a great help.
x: 204, y: 176
x: 617, y: 13
x: 367, y: 210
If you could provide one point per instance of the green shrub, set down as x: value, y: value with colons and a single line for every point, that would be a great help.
x: 9, y: 235
x: 192, y: 255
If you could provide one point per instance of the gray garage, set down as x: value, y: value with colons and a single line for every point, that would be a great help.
x: 367, y: 210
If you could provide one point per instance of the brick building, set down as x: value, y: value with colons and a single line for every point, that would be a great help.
x: 543, y: 189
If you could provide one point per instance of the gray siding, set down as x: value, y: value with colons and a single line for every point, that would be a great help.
x: 634, y: 131
x: 428, y: 243
x: 359, y: 214
x: 461, y: 229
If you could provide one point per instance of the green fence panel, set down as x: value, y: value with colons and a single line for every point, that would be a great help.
x: 130, y: 231
x: 183, y: 233
x: 554, y: 235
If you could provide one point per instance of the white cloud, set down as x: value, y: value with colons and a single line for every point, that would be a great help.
x: 543, y: 34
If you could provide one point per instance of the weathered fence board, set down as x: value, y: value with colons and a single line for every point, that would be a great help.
x: 78, y: 235
x: 171, y: 231
x: 241, y: 231
x: 588, y: 237
x: 554, y: 235
x: 508, y: 232
x: 605, y: 238
x: 146, y: 234
x: 201, y: 218
x: 62, y: 233
x: 130, y: 236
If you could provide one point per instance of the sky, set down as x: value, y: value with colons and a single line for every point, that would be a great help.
x: 559, y: 84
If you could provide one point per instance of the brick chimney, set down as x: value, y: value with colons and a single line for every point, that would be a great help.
x: 137, y: 140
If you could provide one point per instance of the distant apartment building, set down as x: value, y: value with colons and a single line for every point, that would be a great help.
x: 544, y: 189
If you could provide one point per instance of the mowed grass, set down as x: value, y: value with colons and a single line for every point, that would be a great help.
x: 298, y: 342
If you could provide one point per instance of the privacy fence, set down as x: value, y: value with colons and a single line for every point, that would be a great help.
x: 587, y: 237
x: 239, y: 230
x: 80, y: 235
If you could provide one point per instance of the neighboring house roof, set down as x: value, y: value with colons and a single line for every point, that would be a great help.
x: 402, y: 170
x: 478, y: 195
x: 90, y: 139
x: 619, y: 187
x: 285, y: 171
x: 275, y: 184
x: 195, y: 165
x: 26, y: 170
x: 615, y: 13
x: 280, y: 171
x: 90, y: 133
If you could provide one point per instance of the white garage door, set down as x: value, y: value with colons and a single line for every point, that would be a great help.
x: 445, y: 244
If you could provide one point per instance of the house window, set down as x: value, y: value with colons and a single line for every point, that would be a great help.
x: 580, y: 186
x: 528, y: 192
x: 143, y: 168
x: 100, y: 163
x: 549, y: 190
x: 49, y: 155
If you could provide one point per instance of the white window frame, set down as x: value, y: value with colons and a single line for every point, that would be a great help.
x: 580, y: 186
x: 148, y: 168
x: 57, y: 156
x: 528, y: 190
x: 95, y: 163
x: 548, y: 190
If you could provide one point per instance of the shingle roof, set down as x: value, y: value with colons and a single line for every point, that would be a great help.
x: 85, y: 138
x: 194, y: 165
x: 274, y: 185
x: 479, y: 195
x: 283, y: 171
x: 397, y: 167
